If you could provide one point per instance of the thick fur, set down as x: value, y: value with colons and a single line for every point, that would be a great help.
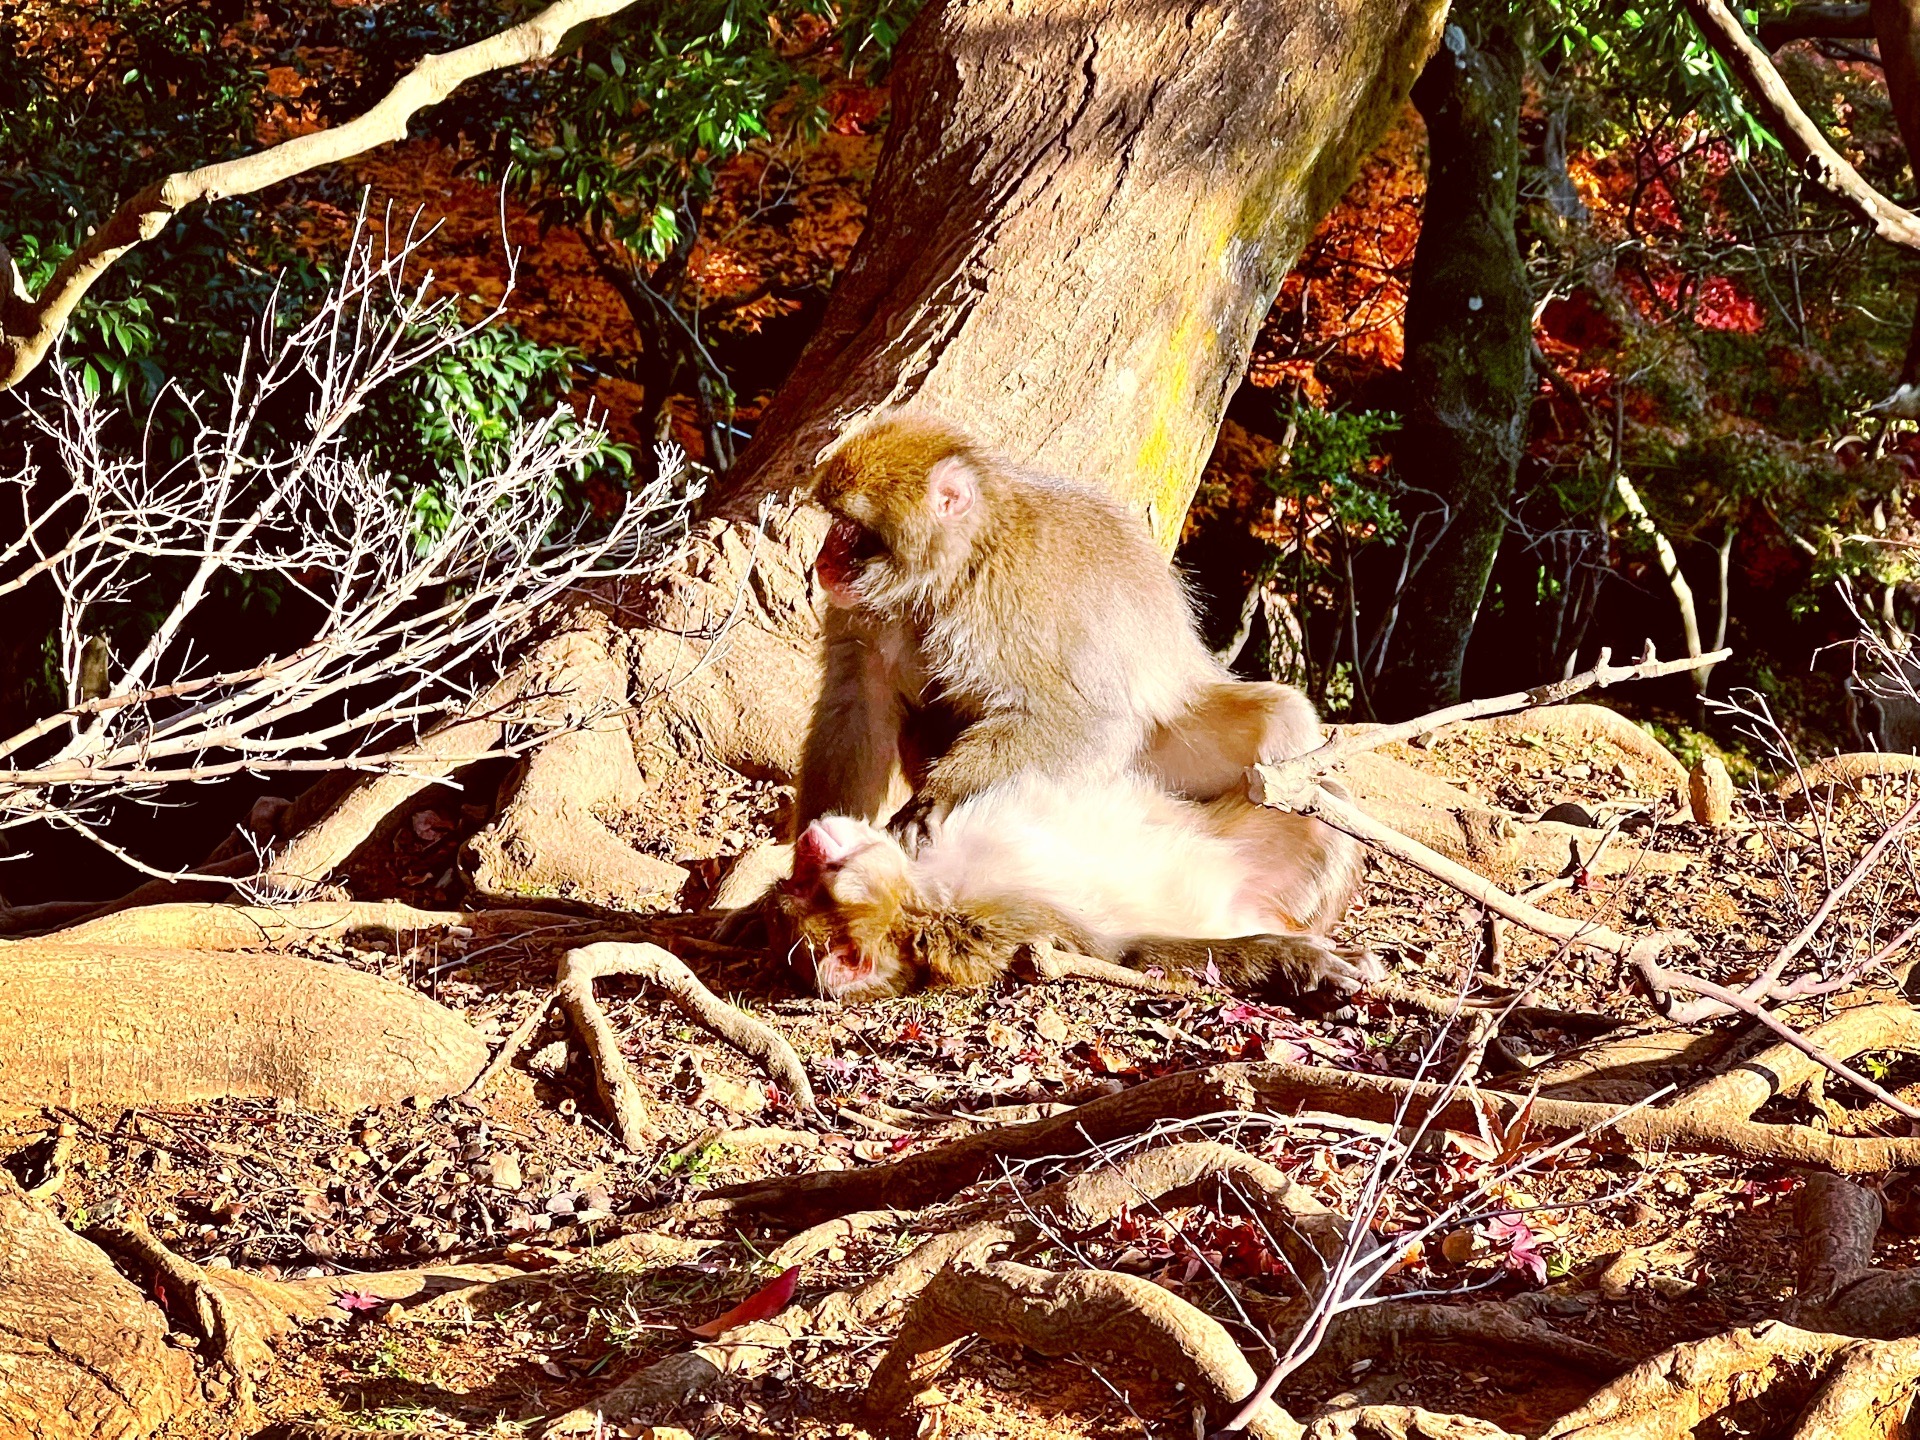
x: 1117, y: 869
x: 1040, y: 621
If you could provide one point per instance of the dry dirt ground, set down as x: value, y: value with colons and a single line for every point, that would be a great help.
x: 1631, y: 1251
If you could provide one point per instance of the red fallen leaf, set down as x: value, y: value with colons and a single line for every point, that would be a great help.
x: 912, y: 1031
x: 769, y: 1300
x: 1523, y: 1246
x: 357, y: 1300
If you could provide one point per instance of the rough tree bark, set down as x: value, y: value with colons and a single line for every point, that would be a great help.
x: 1468, y: 332
x: 1081, y: 218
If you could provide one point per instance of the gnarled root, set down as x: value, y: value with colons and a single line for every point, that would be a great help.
x: 1582, y: 724
x: 574, y: 988
x: 1402, y: 1422
x: 82, y: 1353
x: 1060, y: 1314
x: 224, y: 926
x: 1281, y: 1087
x: 1308, y: 1234
x: 1846, y: 772
x: 238, y: 1326
x: 91, y: 1025
x: 1840, y: 1289
x: 1758, y: 1380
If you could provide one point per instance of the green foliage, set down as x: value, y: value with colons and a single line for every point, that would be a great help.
x: 1335, y: 498
x: 1332, y: 461
x: 1653, y: 52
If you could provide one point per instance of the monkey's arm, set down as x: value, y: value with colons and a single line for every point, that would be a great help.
x: 1307, y: 973
x: 852, y: 752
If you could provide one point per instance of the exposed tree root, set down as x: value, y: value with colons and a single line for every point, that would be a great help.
x: 1283, y: 1088
x: 82, y: 1353
x: 1582, y: 724
x: 1047, y: 963
x: 573, y: 986
x: 1504, y: 1327
x: 323, y: 845
x: 23, y: 919
x: 225, y: 926
x: 1786, y: 1069
x: 238, y: 1327
x: 1840, y: 1289
x: 89, y: 1025
x: 1308, y: 1234
x: 551, y: 837
x: 1062, y: 1314
x: 1402, y: 1422
x: 1755, y: 1381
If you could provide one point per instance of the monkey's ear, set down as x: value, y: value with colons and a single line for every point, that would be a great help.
x: 951, y: 488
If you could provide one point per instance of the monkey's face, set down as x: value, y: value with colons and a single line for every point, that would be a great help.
x: 845, y: 907
x: 853, y: 563
x: 904, y: 500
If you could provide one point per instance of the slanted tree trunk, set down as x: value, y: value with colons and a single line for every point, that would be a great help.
x: 1467, y: 372
x: 1077, y: 224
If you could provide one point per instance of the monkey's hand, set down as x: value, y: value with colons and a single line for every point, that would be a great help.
x: 915, y: 822
x: 1312, y: 975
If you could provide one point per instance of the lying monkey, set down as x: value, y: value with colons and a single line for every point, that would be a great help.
x: 1116, y: 869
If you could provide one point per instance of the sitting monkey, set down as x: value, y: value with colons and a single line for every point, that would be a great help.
x: 986, y: 621
x: 1116, y: 869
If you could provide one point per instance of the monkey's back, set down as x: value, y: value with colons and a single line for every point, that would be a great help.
x: 1071, y: 607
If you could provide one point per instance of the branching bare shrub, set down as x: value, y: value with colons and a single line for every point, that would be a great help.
x: 412, y: 618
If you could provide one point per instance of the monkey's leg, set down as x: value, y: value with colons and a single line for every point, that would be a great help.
x: 1306, y: 972
x: 1232, y: 725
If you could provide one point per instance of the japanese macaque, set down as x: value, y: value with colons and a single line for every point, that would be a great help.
x: 987, y: 621
x: 1117, y: 869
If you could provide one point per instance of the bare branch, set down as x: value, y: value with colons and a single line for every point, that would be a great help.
x: 1287, y: 774
x: 412, y: 621
x: 1819, y: 162
x: 1642, y: 953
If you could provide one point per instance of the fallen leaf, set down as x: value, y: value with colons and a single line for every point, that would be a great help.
x: 769, y: 1300
x: 357, y: 1300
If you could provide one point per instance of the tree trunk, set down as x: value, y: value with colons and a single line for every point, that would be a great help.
x: 1079, y: 220
x: 1081, y: 217
x: 1467, y: 369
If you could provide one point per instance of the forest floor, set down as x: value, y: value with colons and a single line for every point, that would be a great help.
x: 1629, y: 1250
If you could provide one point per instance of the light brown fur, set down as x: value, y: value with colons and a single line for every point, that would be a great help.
x: 872, y: 921
x: 1032, y: 624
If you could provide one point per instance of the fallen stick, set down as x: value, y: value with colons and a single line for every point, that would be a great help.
x: 573, y: 986
x: 1766, y: 985
x: 1266, y: 787
x: 1302, y: 768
